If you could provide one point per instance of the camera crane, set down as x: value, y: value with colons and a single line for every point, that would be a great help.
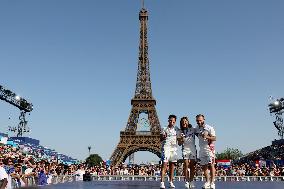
x: 22, y: 104
x: 277, y: 108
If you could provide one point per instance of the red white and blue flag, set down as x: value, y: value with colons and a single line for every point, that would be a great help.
x: 224, y: 163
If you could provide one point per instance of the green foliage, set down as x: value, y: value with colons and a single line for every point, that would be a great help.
x: 229, y: 153
x: 94, y: 160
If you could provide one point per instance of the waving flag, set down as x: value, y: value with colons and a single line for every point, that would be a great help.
x: 224, y: 163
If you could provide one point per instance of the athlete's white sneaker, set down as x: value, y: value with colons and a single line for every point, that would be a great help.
x: 186, y: 185
x: 212, y: 185
x: 191, y: 184
x: 206, y: 185
x: 162, y: 185
x: 172, y: 185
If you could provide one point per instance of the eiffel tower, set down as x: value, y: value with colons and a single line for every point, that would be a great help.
x: 132, y: 140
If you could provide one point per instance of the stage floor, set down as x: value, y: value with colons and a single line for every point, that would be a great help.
x: 155, y: 184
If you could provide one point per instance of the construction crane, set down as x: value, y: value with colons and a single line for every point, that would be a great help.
x: 277, y: 108
x: 21, y: 103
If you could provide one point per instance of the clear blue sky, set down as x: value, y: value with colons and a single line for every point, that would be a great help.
x: 76, y: 61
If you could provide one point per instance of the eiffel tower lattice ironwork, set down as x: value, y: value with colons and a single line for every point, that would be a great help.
x: 132, y: 140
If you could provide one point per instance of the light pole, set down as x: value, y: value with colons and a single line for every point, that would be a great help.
x: 89, y: 148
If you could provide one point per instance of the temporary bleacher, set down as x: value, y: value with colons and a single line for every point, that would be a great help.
x: 33, y: 147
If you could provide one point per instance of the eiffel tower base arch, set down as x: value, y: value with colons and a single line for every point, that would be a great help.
x: 131, y: 143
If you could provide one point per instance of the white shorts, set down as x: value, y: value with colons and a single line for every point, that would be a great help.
x: 207, y: 158
x: 189, y: 154
x: 169, y: 155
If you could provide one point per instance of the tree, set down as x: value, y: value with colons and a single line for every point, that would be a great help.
x: 229, y: 153
x: 94, y: 160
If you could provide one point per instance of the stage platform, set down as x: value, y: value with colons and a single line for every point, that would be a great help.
x: 155, y: 185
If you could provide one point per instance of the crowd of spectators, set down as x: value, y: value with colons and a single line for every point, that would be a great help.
x: 21, y: 165
x: 250, y: 170
x: 267, y: 161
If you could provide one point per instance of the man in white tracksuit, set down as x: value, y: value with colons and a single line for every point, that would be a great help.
x: 206, y: 135
x: 169, y: 150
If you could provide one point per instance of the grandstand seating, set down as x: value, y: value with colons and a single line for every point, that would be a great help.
x: 273, y: 153
x: 32, y: 147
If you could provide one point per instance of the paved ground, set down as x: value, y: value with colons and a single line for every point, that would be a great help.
x: 155, y: 184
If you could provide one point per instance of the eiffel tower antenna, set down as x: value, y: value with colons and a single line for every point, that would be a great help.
x: 143, y: 4
x: 143, y: 108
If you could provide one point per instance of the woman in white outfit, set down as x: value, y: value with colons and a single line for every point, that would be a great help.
x: 186, y: 138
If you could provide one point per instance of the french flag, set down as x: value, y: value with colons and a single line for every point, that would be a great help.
x: 224, y: 163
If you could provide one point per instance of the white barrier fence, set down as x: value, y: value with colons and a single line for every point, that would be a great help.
x: 34, y: 181
x: 181, y: 178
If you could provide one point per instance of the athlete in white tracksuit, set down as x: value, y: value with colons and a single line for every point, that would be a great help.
x: 169, y: 145
x: 169, y: 150
x: 206, y: 135
x: 186, y: 138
